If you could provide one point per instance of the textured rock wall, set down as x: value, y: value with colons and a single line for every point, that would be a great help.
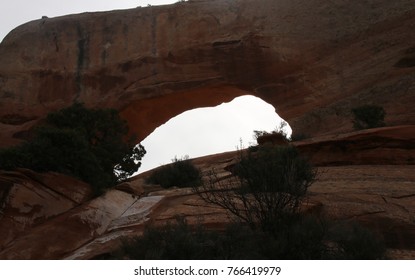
x: 378, y: 146
x: 313, y: 60
x: 37, y: 205
x: 28, y: 199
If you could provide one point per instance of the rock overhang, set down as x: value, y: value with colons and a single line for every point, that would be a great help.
x: 313, y: 61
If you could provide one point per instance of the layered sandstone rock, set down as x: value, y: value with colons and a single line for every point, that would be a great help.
x: 28, y: 199
x: 313, y: 60
x: 38, y: 205
x: 378, y: 146
x: 92, y: 228
x: 378, y: 196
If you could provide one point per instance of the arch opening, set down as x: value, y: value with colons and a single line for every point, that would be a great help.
x: 209, y: 130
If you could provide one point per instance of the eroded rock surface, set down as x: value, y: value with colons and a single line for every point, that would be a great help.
x: 312, y: 60
x: 28, y: 199
x: 77, y: 227
x: 387, y: 145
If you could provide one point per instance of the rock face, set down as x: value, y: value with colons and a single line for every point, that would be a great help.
x: 77, y: 227
x: 28, y: 199
x: 312, y: 60
x: 378, y: 146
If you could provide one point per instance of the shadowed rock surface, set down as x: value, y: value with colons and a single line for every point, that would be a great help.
x: 387, y: 145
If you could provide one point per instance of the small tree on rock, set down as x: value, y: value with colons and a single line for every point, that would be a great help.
x: 87, y: 143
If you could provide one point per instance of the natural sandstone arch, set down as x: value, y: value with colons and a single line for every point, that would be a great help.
x: 313, y: 60
x: 146, y: 115
x: 209, y: 130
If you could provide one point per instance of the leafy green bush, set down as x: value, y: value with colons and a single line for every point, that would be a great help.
x: 180, y: 173
x: 368, y: 116
x: 85, y: 143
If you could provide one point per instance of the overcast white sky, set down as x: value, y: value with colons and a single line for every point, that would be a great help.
x: 195, y: 133
x: 206, y: 131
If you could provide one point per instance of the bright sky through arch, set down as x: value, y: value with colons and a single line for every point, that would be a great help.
x: 209, y: 130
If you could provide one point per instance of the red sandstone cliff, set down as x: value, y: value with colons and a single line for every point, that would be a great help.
x: 313, y: 60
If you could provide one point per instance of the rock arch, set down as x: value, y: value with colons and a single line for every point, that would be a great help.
x: 146, y: 115
x: 209, y: 130
x: 311, y: 60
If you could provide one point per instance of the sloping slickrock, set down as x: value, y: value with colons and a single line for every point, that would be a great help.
x: 103, y: 244
x: 28, y: 199
x: 70, y: 230
x: 382, y: 197
x: 387, y: 145
x: 377, y: 195
x: 78, y: 227
x: 137, y: 213
x: 130, y: 223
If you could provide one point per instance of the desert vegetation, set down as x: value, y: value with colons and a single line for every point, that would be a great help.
x: 299, y: 136
x: 368, y: 116
x: 277, y: 136
x: 180, y: 173
x: 263, y: 196
x: 307, y: 238
x: 266, y: 188
x: 86, y: 143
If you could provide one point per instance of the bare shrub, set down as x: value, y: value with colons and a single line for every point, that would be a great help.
x: 266, y: 187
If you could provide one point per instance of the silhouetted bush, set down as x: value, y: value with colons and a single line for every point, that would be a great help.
x: 368, y: 116
x: 181, y: 241
x: 172, y: 241
x: 299, y: 137
x: 267, y: 186
x: 85, y: 143
x: 277, y: 136
x: 305, y: 238
x: 180, y: 173
x: 354, y: 242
